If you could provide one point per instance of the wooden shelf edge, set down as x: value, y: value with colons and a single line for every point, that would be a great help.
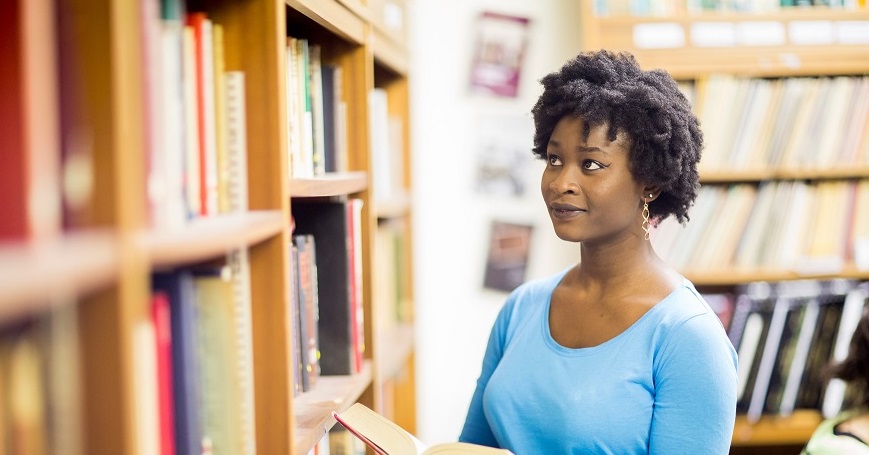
x: 399, y: 341
x: 739, y: 276
x: 331, y: 184
x: 756, y: 175
x: 313, y: 409
x: 784, y: 14
x: 335, y: 17
x: 390, y: 53
x: 210, y: 237
x: 393, y: 207
x: 35, y: 277
x: 795, y: 429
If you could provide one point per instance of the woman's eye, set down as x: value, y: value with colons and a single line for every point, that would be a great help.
x: 553, y: 160
x: 591, y: 165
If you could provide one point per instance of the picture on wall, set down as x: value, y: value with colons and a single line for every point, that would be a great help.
x: 507, y: 260
x: 498, y: 52
x: 504, y: 162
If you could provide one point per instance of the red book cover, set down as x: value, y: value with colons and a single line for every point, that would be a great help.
x: 163, y: 335
x: 357, y: 326
x: 29, y: 137
x: 201, y: 30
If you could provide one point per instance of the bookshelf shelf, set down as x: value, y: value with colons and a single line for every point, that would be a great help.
x: 770, y: 430
x: 394, y: 207
x: 209, y: 237
x: 731, y: 277
x: 35, y: 276
x: 333, y: 184
x: 686, y: 60
x: 333, y: 16
x: 389, y: 53
x: 313, y: 410
x: 758, y: 175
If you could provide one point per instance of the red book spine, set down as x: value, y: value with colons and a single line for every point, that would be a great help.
x: 197, y: 21
x: 163, y: 335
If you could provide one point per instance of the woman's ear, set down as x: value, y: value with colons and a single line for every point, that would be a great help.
x: 650, y: 193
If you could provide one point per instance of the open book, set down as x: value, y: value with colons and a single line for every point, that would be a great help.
x: 387, y: 438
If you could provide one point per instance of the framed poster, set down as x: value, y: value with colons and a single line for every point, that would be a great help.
x: 498, y: 53
x: 509, y: 245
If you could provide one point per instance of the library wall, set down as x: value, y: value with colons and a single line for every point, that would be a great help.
x: 452, y: 216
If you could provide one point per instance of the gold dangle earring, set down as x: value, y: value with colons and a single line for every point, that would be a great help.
x: 646, y: 225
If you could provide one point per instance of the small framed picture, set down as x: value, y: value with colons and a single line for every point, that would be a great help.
x: 509, y: 245
x: 499, y: 49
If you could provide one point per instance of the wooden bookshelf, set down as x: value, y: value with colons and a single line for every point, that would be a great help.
x: 735, y: 277
x: 680, y: 55
x: 773, y: 430
x: 99, y: 262
x: 207, y: 238
x: 694, y: 46
x: 394, y: 207
x: 313, y: 410
x: 34, y: 276
x: 330, y: 184
x: 759, y: 175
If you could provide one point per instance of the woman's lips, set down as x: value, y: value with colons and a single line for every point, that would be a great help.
x: 565, y: 212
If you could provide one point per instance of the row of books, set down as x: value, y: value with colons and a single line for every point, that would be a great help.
x: 673, y: 7
x: 328, y: 312
x: 786, y: 123
x: 194, y: 362
x: 810, y: 228
x: 192, y: 367
x: 40, y: 406
x: 195, y: 119
x: 338, y: 441
x: 193, y: 123
x: 317, y: 121
x: 786, y: 334
x: 391, y: 275
x: 316, y: 112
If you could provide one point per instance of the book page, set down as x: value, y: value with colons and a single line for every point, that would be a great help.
x: 381, y: 434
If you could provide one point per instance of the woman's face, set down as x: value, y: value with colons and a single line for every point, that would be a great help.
x: 587, y: 184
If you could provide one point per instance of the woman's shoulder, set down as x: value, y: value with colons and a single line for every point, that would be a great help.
x: 684, y: 316
x: 684, y: 303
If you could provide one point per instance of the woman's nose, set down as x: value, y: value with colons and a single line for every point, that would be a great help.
x: 565, y: 181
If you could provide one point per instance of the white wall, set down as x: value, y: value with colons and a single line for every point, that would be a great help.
x: 453, y: 311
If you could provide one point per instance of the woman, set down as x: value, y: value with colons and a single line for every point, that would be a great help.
x: 848, y: 432
x: 618, y: 354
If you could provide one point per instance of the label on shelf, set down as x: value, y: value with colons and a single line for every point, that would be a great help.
x: 713, y: 34
x: 852, y: 32
x: 810, y: 32
x: 663, y: 35
x: 761, y: 33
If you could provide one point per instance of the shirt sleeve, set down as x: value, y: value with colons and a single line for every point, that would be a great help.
x: 476, y: 429
x: 695, y: 402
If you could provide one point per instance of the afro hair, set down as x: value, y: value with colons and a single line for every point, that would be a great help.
x: 610, y: 88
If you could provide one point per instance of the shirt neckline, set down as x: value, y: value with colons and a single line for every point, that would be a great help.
x: 606, y: 344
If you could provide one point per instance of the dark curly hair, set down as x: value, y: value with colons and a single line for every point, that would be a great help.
x: 854, y: 369
x: 605, y: 87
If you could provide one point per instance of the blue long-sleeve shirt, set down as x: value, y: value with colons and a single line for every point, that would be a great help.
x: 666, y: 385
